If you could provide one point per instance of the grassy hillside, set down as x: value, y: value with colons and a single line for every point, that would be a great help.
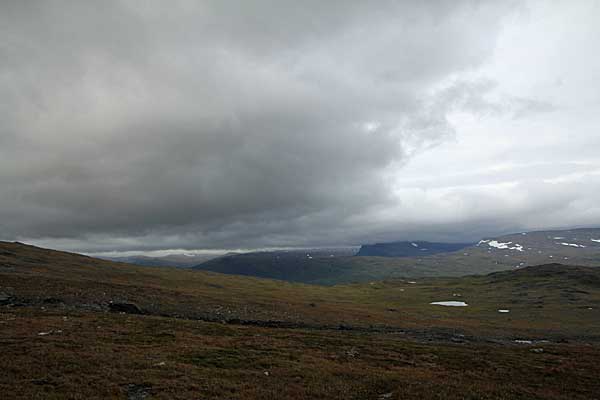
x: 493, y: 254
x: 33, y: 276
x: 213, y: 336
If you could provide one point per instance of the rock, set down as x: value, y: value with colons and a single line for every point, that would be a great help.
x: 266, y: 373
x: 5, y: 299
x: 386, y: 396
x: 128, y: 308
x: 537, y: 350
x: 353, y: 352
x: 41, y: 381
x: 137, y: 392
x: 52, y: 300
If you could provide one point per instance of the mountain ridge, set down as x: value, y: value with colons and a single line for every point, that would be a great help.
x: 409, y: 248
x: 491, y: 254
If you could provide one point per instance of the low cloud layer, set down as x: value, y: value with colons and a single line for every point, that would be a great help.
x: 144, y: 125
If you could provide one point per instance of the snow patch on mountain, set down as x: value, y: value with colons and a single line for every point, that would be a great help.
x: 503, y: 246
x: 572, y: 245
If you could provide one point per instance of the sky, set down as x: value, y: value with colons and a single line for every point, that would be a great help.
x: 151, y: 125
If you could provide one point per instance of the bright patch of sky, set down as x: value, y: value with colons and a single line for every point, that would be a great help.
x: 524, y: 152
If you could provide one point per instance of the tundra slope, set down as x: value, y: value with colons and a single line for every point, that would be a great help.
x: 208, y: 335
x: 553, y: 299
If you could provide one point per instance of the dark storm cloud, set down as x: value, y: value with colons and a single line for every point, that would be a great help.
x: 224, y: 124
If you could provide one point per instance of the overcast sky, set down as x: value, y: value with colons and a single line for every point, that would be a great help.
x: 148, y: 125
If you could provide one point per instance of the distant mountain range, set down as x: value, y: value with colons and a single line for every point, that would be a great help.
x: 171, y: 260
x: 409, y: 249
x: 573, y: 247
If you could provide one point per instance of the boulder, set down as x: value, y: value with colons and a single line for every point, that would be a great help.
x: 128, y: 308
x: 5, y: 299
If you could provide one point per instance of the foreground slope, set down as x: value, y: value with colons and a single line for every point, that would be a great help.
x: 58, y: 354
x: 207, y: 335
